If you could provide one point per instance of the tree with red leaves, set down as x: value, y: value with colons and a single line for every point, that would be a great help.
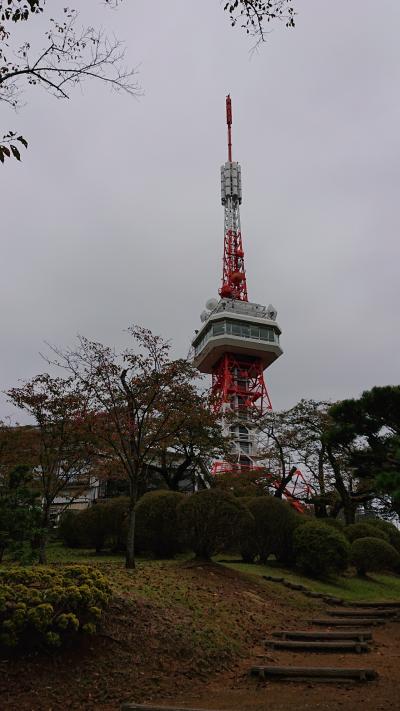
x: 139, y: 402
x: 54, y: 446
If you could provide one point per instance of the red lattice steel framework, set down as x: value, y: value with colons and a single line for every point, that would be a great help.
x: 234, y: 285
x: 239, y: 382
x: 236, y: 380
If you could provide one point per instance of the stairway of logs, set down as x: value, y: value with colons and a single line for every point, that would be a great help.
x: 346, y: 629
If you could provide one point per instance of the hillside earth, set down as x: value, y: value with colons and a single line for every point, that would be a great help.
x: 187, y: 634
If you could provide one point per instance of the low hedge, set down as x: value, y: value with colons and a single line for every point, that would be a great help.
x: 45, y: 606
x: 373, y: 554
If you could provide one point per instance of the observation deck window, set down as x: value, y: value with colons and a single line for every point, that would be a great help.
x: 240, y: 329
x: 218, y: 328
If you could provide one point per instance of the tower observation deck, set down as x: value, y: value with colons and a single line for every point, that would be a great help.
x: 238, y: 339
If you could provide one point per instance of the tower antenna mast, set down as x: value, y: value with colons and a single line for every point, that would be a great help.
x: 229, y: 124
x: 234, y: 284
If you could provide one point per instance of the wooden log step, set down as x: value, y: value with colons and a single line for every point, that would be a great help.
x: 364, y: 612
x: 332, y: 674
x: 131, y: 706
x: 395, y: 605
x: 356, y: 635
x: 294, y: 586
x: 332, y: 600
x: 311, y: 593
x: 273, y: 579
x: 348, y: 621
x: 338, y: 645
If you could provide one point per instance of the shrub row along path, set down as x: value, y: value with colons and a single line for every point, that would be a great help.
x: 182, y: 635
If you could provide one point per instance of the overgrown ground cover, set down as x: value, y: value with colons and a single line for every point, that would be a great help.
x: 375, y: 587
x: 172, y: 625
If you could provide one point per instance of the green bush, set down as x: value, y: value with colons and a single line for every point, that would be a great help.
x: 373, y: 554
x: 49, y: 606
x: 389, y: 529
x: 274, y: 525
x: 95, y: 524
x: 103, y: 525
x: 363, y: 530
x: 20, y: 515
x: 334, y: 522
x: 117, y: 523
x: 157, y: 524
x: 246, y: 541
x: 320, y: 550
x: 69, y: 529
x: 211, y: 521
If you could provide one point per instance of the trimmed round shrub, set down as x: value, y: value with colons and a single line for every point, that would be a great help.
x: 274, y: 525
x: 95, y: 524
x: 212, y: 521
x: 320, y: 550
x: 117, y: 523
x: 373, y: 554
x: 247, y: 543
x: 69, y: 529
x: 157, y: 523
x: 103, y: 525
x: 389, y: 529
x: 363, y: 530
x: 336, y: 523
x: 45, y: 606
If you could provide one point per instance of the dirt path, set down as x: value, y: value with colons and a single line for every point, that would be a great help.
x: 237, y: 690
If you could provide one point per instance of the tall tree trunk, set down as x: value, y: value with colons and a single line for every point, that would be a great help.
x: 43, y: 535
x: 130, y: 541
x: 42, y: 547
x: 349, y: 506
x: 349, y: 510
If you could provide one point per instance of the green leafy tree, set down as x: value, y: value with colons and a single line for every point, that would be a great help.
x: 370, y: 427
x: 187, y: 456
x: 305, y: 437
x: 20, y: 514
x: 59, y: 454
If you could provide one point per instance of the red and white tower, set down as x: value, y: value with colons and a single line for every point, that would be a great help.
x: 238, y: 339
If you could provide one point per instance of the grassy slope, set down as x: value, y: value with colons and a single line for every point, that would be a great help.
x: 207, y: 606
x: 169, y: 628
x: 171, y: 625
x: 377, y: 587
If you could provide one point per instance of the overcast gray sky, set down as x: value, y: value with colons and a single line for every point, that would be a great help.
x: 114, y: 215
